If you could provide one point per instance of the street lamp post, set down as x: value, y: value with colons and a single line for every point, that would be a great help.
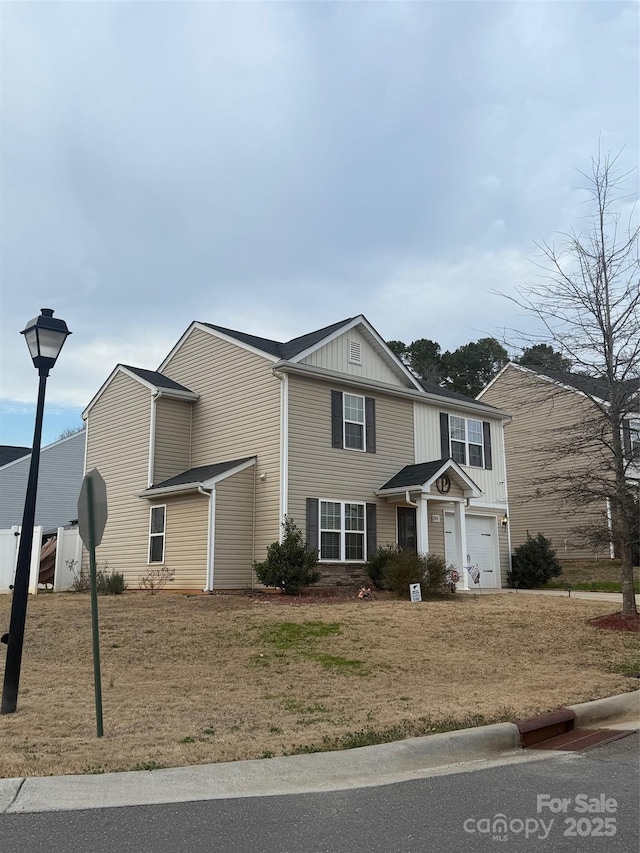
x: 45, y: 337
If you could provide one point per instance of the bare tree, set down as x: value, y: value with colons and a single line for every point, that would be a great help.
x: 587, y: 302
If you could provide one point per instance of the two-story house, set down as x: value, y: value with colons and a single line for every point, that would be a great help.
x: 204, y: 457
x: 554, y: 443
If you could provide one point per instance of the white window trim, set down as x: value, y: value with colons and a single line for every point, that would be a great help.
x: 156, y: 535
x: 342, y: 531
x: 346, y: 421
x: 466, y: 441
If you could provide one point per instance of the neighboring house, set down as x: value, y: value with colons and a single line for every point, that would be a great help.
x: 9, y: 453
x: 204, y: 457
x: 549, y: 412
x: 59, y: 481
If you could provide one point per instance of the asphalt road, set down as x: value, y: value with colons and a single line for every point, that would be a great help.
x: 589, y: 802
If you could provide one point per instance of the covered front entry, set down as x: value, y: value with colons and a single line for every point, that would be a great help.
x: 482, y: 549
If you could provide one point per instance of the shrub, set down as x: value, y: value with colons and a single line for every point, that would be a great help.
x: 110, y: 583
x: 290, y: 564
x: 407, y: 567
x: 377, y: 563
x: 533, y: 563
x: 156, y: 579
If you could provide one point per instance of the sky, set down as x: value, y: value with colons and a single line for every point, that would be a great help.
x: 277, y: 167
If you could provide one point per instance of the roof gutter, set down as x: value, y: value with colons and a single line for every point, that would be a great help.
x: 391, y: 390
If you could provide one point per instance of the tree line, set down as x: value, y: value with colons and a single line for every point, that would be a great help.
x: 470, y: 367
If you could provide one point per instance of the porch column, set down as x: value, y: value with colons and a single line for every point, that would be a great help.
x: 423, y: 525
x: 460, y: 534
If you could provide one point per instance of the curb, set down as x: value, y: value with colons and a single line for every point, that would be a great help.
x: 604, y: 709
x: 364, y: 766
x: 323, y: 771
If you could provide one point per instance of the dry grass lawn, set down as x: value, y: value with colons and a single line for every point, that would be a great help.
x: 196, y: 679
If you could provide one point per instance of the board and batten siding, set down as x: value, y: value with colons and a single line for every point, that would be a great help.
x: 318, y: 470
x: 492, y: 483
x: 172, y: 451
x: 186, y: 533
x: 236, y: 415
x: 233, y: 562
x: 335, y: 356
x: 543, y: 415
x: 118, y: 446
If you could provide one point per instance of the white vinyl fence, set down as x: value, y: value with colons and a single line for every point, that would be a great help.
x: 68, y: 558
x: 9, y: 540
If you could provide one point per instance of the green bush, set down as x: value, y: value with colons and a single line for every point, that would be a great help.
x: 290, y: 564
x: 377, y: 563
x: 110, y: 583
x: 406, y: 567
x: 533, y: 563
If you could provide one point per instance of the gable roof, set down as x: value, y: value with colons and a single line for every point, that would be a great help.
x: 156, y: 382
x: 204, y: 475
x: 281, y: 350
x: 590, y: 386
x: 10, y: 452
x: 154, y: 378
x: 423, y: 474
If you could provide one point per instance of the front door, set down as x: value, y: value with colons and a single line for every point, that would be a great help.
x: 407, y: 529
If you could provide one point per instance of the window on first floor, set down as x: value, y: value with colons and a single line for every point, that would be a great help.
x: 342, y: 530
x: 157, y: 523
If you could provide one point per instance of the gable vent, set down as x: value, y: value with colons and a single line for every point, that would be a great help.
x: 355, y: 352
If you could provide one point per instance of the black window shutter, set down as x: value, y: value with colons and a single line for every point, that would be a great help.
x: 372, y: 533
x: 486, y: 435
x: 444, y: 436
x: 313, y: 543
x: 336, y: 419
x: 626, y: 439
x: 370, y: 423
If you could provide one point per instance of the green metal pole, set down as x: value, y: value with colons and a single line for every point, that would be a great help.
x: 94, y: 609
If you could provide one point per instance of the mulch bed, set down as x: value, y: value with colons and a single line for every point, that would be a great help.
x: 617, y: 622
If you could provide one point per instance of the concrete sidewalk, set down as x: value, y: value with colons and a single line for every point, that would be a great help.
x: 614, y: 597
x: 453, y: 752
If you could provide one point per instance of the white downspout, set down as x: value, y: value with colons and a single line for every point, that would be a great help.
x: 284, y: 445
x: 152, y: 439
x: 211, y: 536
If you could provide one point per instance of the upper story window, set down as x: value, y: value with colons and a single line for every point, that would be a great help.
x: 466, y: 440
x: 354, y: 427
x: 632, y: 442
x: 353, y: 422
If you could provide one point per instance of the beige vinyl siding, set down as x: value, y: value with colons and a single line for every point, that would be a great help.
x: 172, y: 438
x: 335, y: 356
x: 543, y: 415
x: 456, y: 490
x: 186, y: 532
x: 234, y: 531
x: 318, y: 470
x: 237, y: 415
x: 492, y: 483
x: 435, y: 530
x: 118, y: 446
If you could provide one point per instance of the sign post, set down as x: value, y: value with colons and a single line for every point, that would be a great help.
x: 92, y: 518
x: 415, y: 592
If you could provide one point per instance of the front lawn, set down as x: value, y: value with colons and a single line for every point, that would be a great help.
x: 592, y: 576
x: 196, y: 679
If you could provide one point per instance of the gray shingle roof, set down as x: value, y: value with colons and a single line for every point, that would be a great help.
x: 155, y: 378
x: 10, y: 452
x: 432, y: 388
x: 195, y: 476
x: 414, y: 475
x: 590, y: 385
x: 286, y: 350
